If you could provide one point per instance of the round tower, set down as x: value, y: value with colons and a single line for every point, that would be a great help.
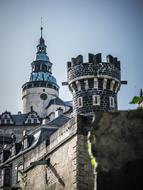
x: 42, y: 86
x: 94, y: 84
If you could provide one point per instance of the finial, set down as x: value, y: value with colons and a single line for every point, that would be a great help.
x: 41, y: 28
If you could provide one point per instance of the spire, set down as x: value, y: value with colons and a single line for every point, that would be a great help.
x: 41, y: 29
x: 41, y: 48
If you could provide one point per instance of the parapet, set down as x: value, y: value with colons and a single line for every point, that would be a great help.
x: 95, y: 66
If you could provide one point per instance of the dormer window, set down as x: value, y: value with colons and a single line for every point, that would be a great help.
x: 29, y: 121
x: 6, y: 119
x: 35, y: 121
x: 32, y: 118
x: 2, y: 121
x: 5, y: 116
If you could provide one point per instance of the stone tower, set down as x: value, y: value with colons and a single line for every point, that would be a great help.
x: 42, y: 86
x: 94, y: 84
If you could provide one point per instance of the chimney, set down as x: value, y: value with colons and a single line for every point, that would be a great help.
x: 45, y: 121
x: 58, y: 112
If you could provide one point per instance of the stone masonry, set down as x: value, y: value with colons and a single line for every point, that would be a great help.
x: 117, y: 144
x: 94, y: 84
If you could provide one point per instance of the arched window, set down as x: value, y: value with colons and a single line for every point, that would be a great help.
x: 44, y: 68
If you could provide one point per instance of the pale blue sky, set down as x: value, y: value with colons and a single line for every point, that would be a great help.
x: 71, y: 27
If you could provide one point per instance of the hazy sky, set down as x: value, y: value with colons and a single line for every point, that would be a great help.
x: 71, y: 27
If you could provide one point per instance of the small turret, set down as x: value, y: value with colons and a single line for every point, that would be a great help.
x: 94, y: 84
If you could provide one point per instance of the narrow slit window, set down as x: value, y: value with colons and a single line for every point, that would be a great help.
x: 96, y: 100
x: 80, y: 102
x: 112, y: 102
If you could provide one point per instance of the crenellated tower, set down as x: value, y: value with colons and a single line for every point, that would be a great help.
x: 42, y: 86
x: 94, y: 84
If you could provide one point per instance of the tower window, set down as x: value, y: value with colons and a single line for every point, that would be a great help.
x: 96, y: 83
x: 80, y: 102
x: 112, y: 102
x: 49, y: 69
x: 43, y: 96
x: 44, y: 68
x: 96, y: 100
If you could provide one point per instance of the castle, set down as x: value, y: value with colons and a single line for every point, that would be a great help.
x: 45, y: 146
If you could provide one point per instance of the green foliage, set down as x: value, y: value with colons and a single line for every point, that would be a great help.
x: 136, y: 100
x: 22, y: 180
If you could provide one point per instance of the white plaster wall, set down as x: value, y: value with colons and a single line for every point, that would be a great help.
x: 31, y: 97
x: 53, y: 108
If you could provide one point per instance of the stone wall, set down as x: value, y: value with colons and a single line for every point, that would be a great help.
x: 61, y: 173
x: 94, y: 84
x: 117, y: 143
x: 69, y: 167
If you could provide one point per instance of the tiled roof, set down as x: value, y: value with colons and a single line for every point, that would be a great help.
x: 19, y: 119
x: 59, y: 121
x: 56, y: 101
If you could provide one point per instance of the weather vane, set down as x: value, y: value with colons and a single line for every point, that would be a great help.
x: 41, y: 27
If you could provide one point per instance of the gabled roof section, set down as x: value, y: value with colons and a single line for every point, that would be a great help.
x: 38, y: 136
x: 6, y: 118
x: 32, y: 118
x: 56, y: 101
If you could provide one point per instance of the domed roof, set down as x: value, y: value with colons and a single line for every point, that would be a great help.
x: 41, y: 57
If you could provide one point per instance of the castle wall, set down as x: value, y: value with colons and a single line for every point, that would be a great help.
x: 61, y: 173
x: 69, y: 166
x: 117, y: 144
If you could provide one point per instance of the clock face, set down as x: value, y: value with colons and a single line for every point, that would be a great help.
x: 43, y: 96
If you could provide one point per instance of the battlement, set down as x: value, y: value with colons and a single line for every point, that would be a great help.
x: 95, y: 59
x: 95, y: 66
